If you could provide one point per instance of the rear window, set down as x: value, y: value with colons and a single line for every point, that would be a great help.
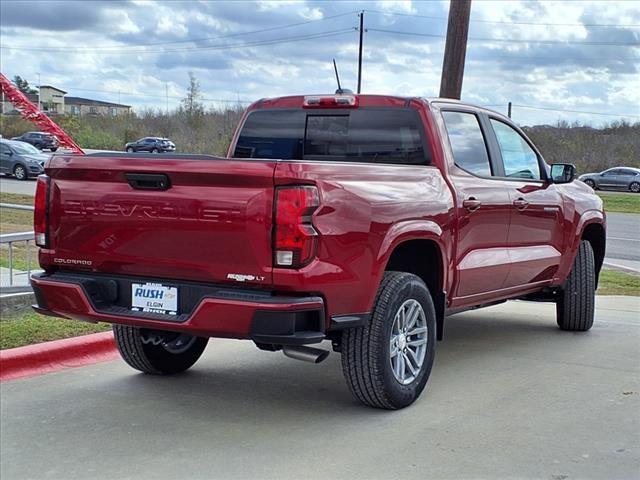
x: 362, y: 135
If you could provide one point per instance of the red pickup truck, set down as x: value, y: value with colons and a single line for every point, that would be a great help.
x: 359, y: 219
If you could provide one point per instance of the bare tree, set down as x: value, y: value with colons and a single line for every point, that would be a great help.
x: 191, y: 104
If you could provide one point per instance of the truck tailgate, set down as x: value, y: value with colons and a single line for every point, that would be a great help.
x: 112, y: 214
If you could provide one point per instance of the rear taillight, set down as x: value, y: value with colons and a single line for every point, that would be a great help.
x: 295, y: 238
x: 40, y: 214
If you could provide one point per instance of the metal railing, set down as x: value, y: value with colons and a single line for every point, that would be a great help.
x: 10, y: 239
x: 15, y: 206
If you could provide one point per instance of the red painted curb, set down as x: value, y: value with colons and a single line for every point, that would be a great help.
x: 56, y: 355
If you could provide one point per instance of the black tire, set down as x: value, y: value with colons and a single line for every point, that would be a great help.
x: 155, y: 359
x: 634, y: 187
x: 155, y: 150
x: 130, y: 150
x: 575, y: 307
x: 20, y: 172
x: 366, y: 362
x: 54, y: 149
x: 591, y: 183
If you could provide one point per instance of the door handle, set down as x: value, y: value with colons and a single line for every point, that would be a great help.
x: 148, y: 181
x: 520, y: 203
x: 472, y: 204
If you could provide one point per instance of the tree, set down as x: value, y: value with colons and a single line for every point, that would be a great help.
x: 191, y: 104
x: 23, y: 85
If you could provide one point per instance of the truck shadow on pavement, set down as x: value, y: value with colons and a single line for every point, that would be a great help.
x: 234, y: 380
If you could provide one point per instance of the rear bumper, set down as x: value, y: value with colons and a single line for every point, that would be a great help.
x: 210, y: 311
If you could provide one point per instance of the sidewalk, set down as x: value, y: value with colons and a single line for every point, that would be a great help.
x: 18, y: 282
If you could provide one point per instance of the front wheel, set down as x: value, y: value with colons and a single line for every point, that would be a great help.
x: 20, y: 172
x: 634, y: 187
x: 575, y: 307
x: 155, y: 150
x: 130, y: 150
x: 387, y: 362
x: 54, y: 149
x: 158, y: 353
x: 591, y: 183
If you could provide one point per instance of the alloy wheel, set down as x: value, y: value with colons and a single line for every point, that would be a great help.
x: 409, y: 342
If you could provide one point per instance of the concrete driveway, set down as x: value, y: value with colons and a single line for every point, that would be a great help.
x: 510, y: 396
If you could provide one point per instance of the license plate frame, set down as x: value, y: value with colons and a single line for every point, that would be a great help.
x: 154, y: 298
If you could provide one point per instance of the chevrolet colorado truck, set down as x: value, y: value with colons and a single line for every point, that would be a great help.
x: 362, y: 220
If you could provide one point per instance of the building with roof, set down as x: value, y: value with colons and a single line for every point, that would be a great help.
x: 53, y: 101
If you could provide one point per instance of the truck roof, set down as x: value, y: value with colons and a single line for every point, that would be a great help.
x: 365, y: 100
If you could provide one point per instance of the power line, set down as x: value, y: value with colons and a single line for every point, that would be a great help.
x: 509, y: 40
x: 576, y: 111
x: 194, y: 40
x: 257, y: 43
x: 505, y: 22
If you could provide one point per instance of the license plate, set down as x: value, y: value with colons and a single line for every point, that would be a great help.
x: 154, y: 297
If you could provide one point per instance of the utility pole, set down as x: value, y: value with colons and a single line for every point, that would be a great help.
x: 509, y: 110
x: 455, y: 49
x: 360, y: 50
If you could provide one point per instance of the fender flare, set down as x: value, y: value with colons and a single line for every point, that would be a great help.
x: 404, y: 231
x: 589, y: 217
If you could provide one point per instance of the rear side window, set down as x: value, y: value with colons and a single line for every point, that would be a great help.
x: 362, y: 135
x: 467, y: 142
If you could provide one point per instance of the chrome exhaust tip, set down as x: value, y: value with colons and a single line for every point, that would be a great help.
x: 306, y: 354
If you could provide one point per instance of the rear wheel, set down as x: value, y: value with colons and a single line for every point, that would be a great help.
x: 387, y: 362
x: 634, y: 187
x: 130, y: 150
x: 54, y: 149
x: 575, y: 307
x: 591, y: 183
x: 20, y: 172
x: 158, y: 352
x: 154, y: 150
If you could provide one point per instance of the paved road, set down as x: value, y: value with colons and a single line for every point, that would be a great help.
x: 510, y: 396
x: 11, y: 185
x: 623, y: 240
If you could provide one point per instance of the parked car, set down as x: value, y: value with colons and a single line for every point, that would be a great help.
x: 21, y: 159
x: 360, y: 219
x: 151, y: 144
x: 618, y: 178
x: 40, y: 140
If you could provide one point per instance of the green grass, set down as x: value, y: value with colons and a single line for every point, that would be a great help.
x: 12, y: 221
x: 29, y: 327
x: 620, y: 202
x: 613, y: 282
x: 16, y: 198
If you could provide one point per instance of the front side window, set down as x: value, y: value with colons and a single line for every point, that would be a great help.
x: 519, y: 159
x: 467, y: 142
x: 362, y: 135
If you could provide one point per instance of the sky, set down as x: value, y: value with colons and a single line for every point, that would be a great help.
x: 550, y: 59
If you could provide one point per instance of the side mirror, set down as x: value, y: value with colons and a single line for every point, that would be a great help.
x: 562, y: 173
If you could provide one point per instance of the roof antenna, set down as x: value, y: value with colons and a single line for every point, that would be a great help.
x: 335, y: 67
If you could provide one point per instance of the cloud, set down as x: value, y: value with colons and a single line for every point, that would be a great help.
x: 132, y: 50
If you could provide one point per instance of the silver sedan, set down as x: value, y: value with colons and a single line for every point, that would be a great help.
x: 618, y: 178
